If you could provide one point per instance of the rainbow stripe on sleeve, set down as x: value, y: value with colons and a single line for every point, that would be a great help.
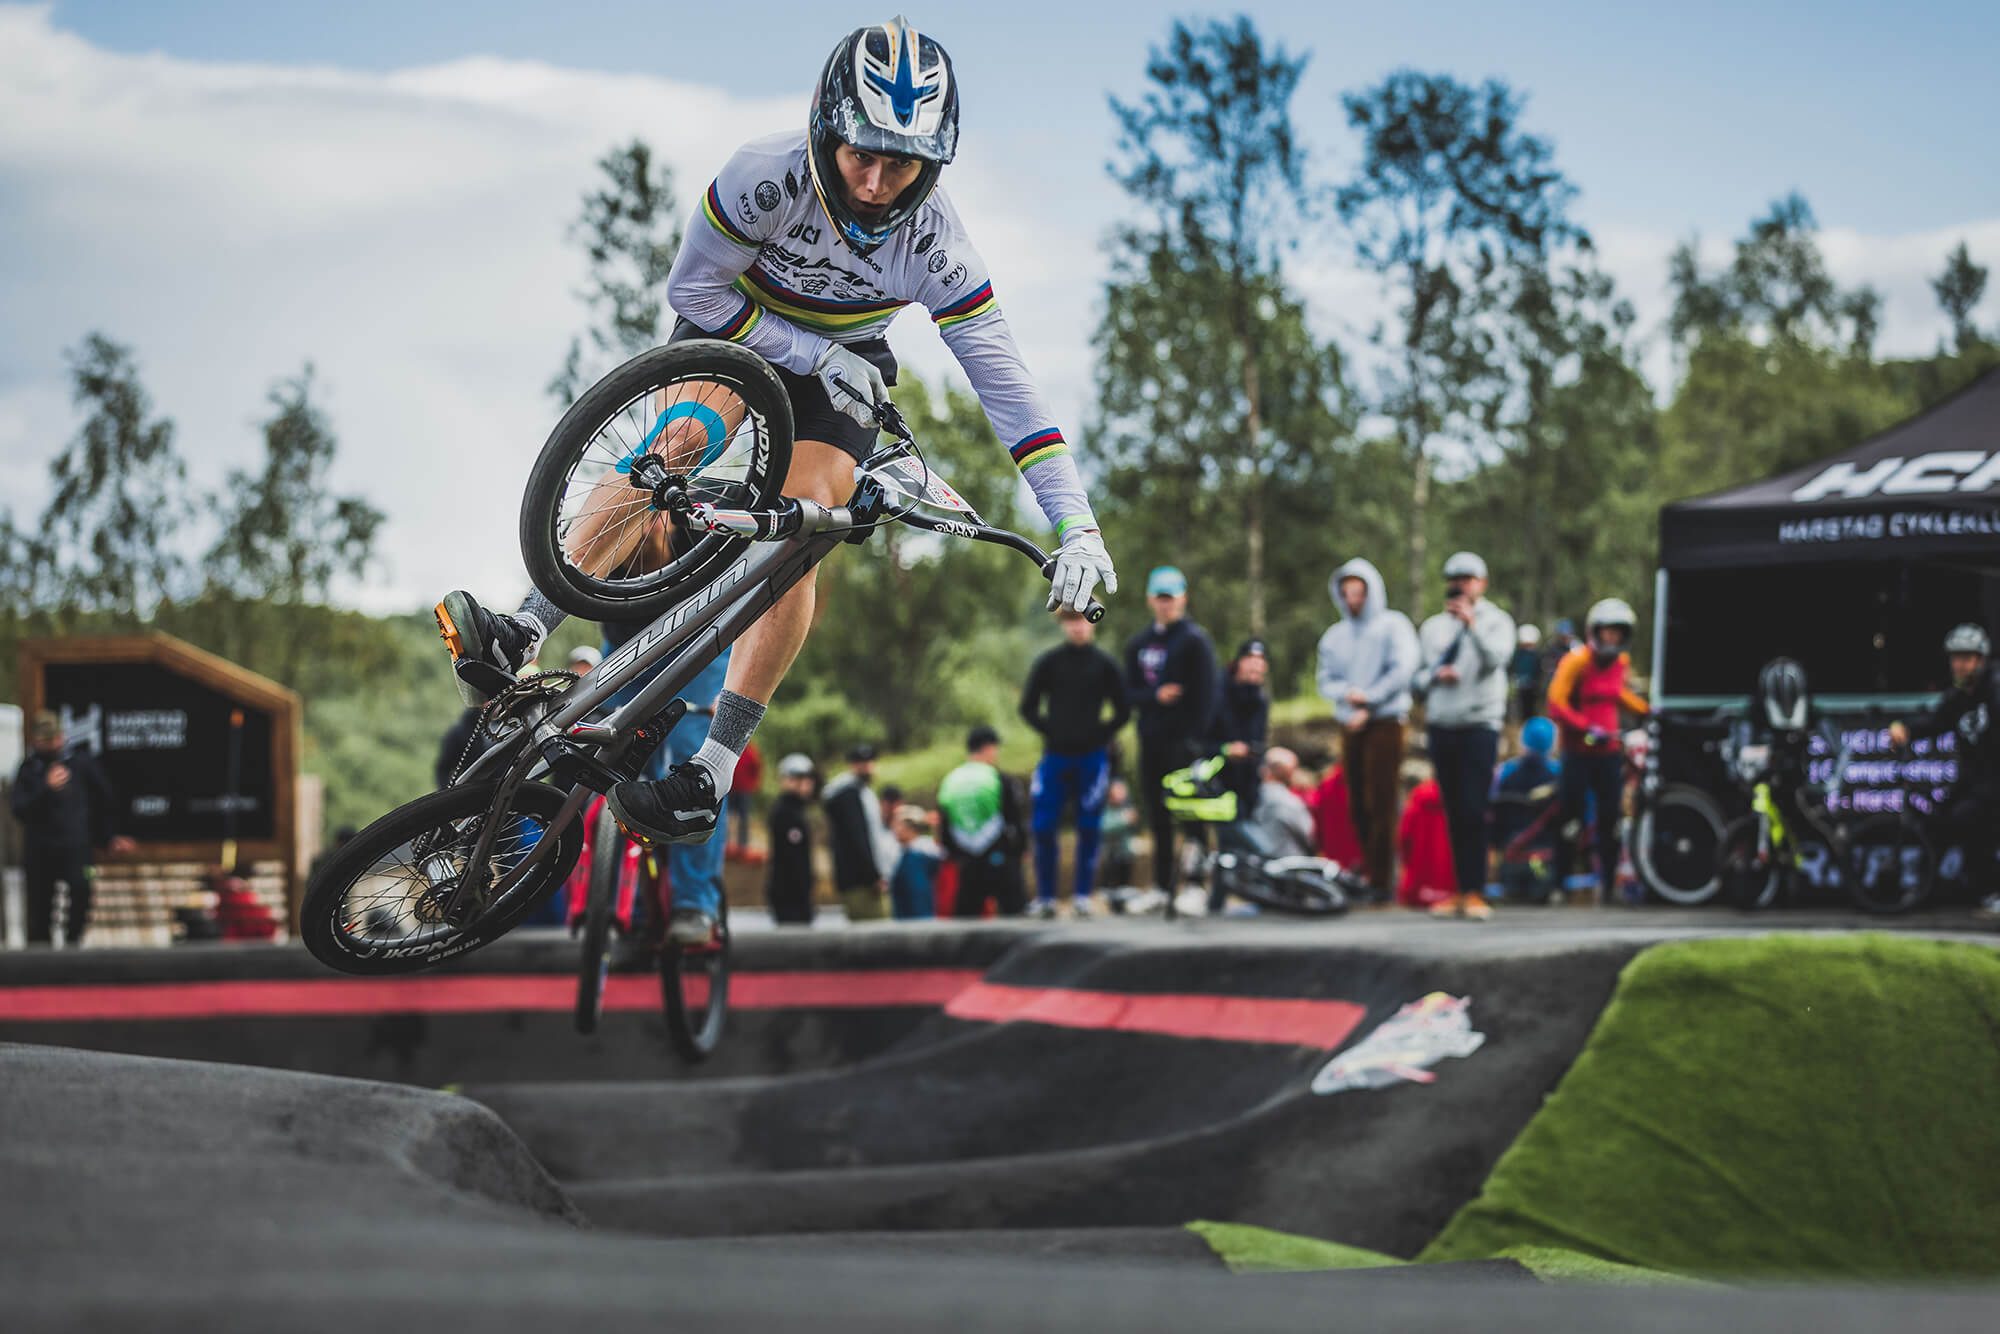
x: 718, y: 218
x: 1039, y: 448
x: 746, y: 322
x: 969, y: 307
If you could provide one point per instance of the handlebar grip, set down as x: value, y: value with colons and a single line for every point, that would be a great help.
x: 1094, y: 612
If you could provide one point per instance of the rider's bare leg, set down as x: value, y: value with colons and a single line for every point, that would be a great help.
x: 766, y: 650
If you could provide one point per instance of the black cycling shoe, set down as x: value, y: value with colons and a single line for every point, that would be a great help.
x: 683, y: 807
x: 483, y: 643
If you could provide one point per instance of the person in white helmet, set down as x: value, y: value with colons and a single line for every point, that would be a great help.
x: 1586, y: 695
x: 1970, y: 713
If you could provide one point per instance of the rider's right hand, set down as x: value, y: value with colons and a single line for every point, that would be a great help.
x: 842, y: 371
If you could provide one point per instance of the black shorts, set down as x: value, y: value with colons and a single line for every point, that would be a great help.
x: 813, y: 415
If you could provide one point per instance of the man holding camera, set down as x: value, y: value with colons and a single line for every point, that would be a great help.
x: 1466, y: 651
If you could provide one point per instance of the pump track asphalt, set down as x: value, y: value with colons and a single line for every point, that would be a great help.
x: 997, y: 1126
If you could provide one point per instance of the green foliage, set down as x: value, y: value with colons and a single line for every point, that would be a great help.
x: 630, y: 228
x: 106, y: 542
x: 1958, y: 290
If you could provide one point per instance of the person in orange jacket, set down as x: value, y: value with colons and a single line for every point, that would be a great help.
x: 1589, y: 688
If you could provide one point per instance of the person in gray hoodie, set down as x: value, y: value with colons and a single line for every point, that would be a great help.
x: 1466, y: 651
x: 1366, y: 662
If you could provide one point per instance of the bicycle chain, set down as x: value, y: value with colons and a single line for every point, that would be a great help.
x: 497, y: 721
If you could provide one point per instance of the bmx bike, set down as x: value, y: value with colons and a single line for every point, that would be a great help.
x: 656, y: 496
x: 1243, y: 863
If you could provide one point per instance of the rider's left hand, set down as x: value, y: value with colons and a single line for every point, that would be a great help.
x: 1080, y: 564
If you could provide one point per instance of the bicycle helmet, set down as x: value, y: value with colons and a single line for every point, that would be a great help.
x: 1781, y: 695
x: 1609, y: 614
x: 1968, y: 638
x: 886, y: 89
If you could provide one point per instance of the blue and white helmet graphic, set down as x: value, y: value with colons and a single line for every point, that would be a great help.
x: 887, y: 89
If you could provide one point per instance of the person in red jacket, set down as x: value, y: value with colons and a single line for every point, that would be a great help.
x: 1423, y: 847
x: 1586, y: 694
x: 1332, y: 819
x: 743, y: 787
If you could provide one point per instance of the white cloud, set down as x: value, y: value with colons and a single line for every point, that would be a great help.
x: 404, y: 231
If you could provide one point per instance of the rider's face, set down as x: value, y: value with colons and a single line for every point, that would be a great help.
x: 872, y: 181
x: 1965, y: 665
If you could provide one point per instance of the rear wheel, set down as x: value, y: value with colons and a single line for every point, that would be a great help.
x: 715, y: 415
x: 1750, y: 872
x: 378, y: 904
x: 694, y: 987
x: 1676, y: 842
x: 1892, y: 866
x: 607, y: 859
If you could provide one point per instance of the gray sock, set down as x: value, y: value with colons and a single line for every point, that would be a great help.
x: 736, y: 719
x: 542, y: 612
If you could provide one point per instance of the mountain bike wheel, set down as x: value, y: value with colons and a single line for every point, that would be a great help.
x: 1892, y: 866
x: 715, y: 414
x: 694, y: 986
x: 374, y: 907
x: 1297, y: 891
x: 607, y: 860
x: 1675, y: 844
x: 1750, y: 875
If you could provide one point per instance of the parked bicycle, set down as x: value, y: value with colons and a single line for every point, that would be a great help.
x: 454, y: 870
x: 1883, y: 861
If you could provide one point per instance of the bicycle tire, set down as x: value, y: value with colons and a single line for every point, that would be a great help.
x: 326, y: 918
x: 1296, y: 891
x: 1750, y: 878
x: 642, y: 597
x: 694, y: 1027
x: 1877, y: 842
x: 607, y: 860
x: 1675, y: 844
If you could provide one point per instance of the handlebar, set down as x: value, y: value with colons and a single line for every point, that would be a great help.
x: 864, y: 510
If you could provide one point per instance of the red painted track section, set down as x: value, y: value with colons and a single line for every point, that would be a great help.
x: 1303, y: 1023
x: 469, y: 995
x: 959, y: 991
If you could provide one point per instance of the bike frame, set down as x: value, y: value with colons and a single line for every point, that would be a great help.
x: 684, y: 639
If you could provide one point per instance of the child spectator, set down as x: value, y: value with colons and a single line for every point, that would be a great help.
x: 985, y: 825
x: 913, y: 884
x: 1423, y: 848
x: 788, y: 875
x: 1115, y: 859
x: 1524, y: 816
x: 1333, y: 818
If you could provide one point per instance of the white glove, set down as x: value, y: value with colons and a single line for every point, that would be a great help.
x: 1079, y: 565
x: 837, y: 366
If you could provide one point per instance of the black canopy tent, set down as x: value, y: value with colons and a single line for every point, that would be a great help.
x: 1855, y: 565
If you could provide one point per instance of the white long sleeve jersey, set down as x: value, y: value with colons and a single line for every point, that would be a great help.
x: 763, y: 267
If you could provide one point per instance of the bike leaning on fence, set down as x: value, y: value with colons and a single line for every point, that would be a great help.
x: 1884, y: 861
x: 687, y: 444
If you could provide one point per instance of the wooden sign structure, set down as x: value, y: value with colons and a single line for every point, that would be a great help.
x: 202, y: 754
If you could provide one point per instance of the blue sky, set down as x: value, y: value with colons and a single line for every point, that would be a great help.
x: 383, y: 189
x: 1681, y: 116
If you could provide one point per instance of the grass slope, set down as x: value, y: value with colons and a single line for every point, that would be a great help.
x: 1778, y: 1106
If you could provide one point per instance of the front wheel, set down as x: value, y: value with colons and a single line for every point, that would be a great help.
x: 1675, y: 845
x: 1892, y: 866
x: 378, y: 904
x: 694, y: 989
x: 607, y: 858
x: 717, y: 419
x: 1749, y: 869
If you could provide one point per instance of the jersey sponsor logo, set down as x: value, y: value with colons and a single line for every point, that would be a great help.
x: 767, y: 195
x: 956, y: 276
x: 744, y: 209
x: 791, y: 185
x: 938, y: 261
x: 928, y: 240
x: 805, y: 232
x: 814, y: 286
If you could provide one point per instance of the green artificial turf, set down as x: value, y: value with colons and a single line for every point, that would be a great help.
x: 1787, y: 1105
x: 1258, y: 1250
x: 1552, y: 1264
